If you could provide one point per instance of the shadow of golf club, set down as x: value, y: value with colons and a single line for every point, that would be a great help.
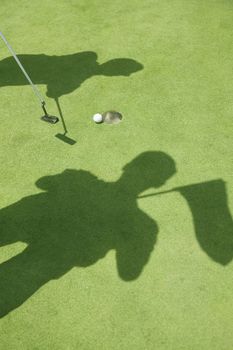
x: 63, y: 137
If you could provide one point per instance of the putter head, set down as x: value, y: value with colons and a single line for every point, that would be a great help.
x: 50, y: 119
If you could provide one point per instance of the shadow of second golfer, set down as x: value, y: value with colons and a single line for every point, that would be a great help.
x: 75, y: 222
x: 78, y: 219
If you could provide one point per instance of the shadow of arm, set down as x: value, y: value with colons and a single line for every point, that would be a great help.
x: 134, y: 249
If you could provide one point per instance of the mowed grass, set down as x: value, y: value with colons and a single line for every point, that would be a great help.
x: 181, y: 104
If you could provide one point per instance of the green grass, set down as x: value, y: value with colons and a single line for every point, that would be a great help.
x: 84, y: 264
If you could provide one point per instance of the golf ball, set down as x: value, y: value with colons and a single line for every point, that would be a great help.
x: 98, y: 118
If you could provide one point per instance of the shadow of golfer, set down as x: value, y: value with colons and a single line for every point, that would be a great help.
x: 79, y: 218
x: 63, y: 74
x: 75, y: 222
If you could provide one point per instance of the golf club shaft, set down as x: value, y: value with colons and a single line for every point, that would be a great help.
x: 36, y: 91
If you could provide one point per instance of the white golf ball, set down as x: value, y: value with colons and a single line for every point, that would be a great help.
x: 98, y: 118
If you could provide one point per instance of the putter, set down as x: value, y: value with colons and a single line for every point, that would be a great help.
x: 46, y: 117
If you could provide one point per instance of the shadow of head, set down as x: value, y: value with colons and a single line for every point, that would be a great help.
x: 149, y: 169
x: 120, y: 67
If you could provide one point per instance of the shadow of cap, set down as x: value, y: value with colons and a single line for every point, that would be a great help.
x: 120, y: 66
x: 152, y: 167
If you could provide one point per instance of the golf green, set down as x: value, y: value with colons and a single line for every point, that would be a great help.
x: 117, y: 237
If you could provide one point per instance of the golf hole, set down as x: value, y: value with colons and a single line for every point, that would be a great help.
x: 112, y: 117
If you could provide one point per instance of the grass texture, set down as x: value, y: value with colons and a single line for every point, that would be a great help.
x: 84, y: 262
